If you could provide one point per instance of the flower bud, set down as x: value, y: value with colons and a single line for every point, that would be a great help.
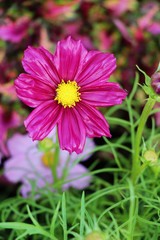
x: 150, y: 156
x: 96, y: 235
x: 155, y: 82
x: 45, y: 145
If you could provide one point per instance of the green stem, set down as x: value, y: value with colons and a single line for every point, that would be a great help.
x: 56, y: 161
x: 133, y: 211
x: 65, y: 169
x: 136, y: 160
x: 137, y: 168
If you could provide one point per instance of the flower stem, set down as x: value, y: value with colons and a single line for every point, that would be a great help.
x: 137, y: 168
x: 55, y: 162
x: 136, y: 160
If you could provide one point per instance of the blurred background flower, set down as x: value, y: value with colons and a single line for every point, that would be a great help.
x: 14, y: 31
x: 30, y: 166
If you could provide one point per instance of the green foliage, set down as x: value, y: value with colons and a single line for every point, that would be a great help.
x: 112, y: 206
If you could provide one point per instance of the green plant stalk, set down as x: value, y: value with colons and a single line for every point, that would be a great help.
x: 55, y: 162
x: 133, y: 211
x: 136, y: 166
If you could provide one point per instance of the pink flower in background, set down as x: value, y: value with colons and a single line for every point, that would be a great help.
x: 148, y: 14
x: 147, y: 21
x: 154, y: 28
x: 124, y: 30
x: 28, y: 164
x: 15, y: 31
x: 105, y: 40
x: 65, y: 89
x: 54, y: 11
x: 8, y: 120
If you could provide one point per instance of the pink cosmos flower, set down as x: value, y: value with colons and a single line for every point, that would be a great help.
x: 124, y: 30
x: 27, y: 164
x: 65, y: 89
x: 14, y: 31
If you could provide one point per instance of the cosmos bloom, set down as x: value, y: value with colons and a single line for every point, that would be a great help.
x: 14, y: 31
x: 65, y: 89
x: 27, y: 164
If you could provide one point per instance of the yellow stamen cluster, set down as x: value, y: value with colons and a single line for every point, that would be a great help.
x: 68, y: 93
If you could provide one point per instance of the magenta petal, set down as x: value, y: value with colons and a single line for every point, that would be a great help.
x: 71, y: 131
x: 107, y: 95
x: 95, y: 123
x: 43, y: 119
x: 32, y: 90
x: 69, y: 57
x: 97, y: 68
x: 39, y: 62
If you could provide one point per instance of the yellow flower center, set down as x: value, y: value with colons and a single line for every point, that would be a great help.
x: 68, y: 93
x: 47, y: 159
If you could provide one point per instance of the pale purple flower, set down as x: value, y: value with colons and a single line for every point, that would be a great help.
x: 26, y: 164
x: 65, y: 89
